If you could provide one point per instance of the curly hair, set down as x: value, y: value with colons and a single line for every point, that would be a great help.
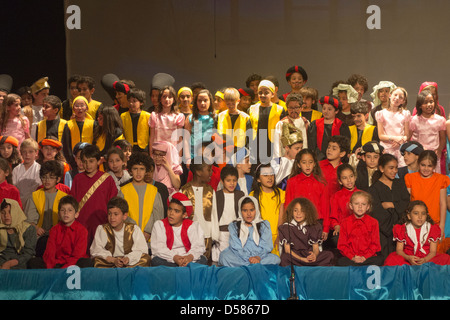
x: 307, y: 207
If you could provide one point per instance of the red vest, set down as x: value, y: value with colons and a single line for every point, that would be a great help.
x: 320, y: 125
x: 184, y: 236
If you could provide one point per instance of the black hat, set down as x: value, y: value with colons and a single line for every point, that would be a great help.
x: 332, y: 101
x: 6, y: 82
x: 411, y: 146
x: 161, y: 80
x: 108, y: 82
x: 372, y: 146
x: 295, y: 69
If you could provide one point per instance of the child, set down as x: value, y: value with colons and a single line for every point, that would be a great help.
x: 368, y: 164
x: 360, y: 84
x: 276, y: 99
x: 50, y: 148
x: 7, y: 190
x: 252, y: 83
x: 321, y: 129
x: 306, y: 180
x: 393, y: 123
x: 66, y: 106
x: 380, y: 96
x: 361, y: 132
x: 184, y: 96
x: 292, y: 142
x: 12, y: 122
x: 301, y: 236
x: 359, y: 238
x: 17, y: 237
x: 177, y: 240
x: 246, y: 97
x: 135, y: 121
x: 86, y: 88
x: 79, y: 167
x: 52, y: 125
x: 410, y: 151
x: 25, y: 176
x: 390, y: 199
x: 241, y: 160
x: 167, y: 167
x: 271, y: 200
x: 296, y: 77
x: 250, y: 238
x: 115, y: 160
x: 310, y: 98
x: 9, y: 151
x: 433, y: 87
x: 224, y: 210
x: 219, y: 101
x: 92, y: 189
x: 117, y: 243
x: 417, y: 239
x: 108, y: 130
x: 39, y: 89
x: 427, y: 127
x: 125, y: 146
x: 162, y: 188
x: 121, y: 89
x: 430, y: 187
x: 346, y: 95
x: 67, y: 240
x: 338, y: 148
x: 42, y: 208
x: 81, y: 129
x: 232, y: 121
x: 144, y: 201
x: 339, y: 209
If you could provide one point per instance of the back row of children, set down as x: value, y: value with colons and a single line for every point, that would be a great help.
x: 268, y: 180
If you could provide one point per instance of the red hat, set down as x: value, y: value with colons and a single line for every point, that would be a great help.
x: 332, y: 101
x: 121, y: 87
x: 9, y: 139
x: 185, y: 201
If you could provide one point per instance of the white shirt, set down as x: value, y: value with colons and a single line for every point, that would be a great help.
x: 27, y: 181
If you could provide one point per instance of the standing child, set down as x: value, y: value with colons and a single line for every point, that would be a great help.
x: 39, y: 89
x: 301, y: 236
x: 296, y: 77
x: 115, y: 160
x: 86, y: 88
x: 270, y: 198
x: 361, y: 132
x: 430, y: 187
x: 250, y: 238
x: 390, y: 199
x: 108, y: 130
x: 117, y: 243
x: 417, y: 239
x: 17, y: 237
x: 7, y: 190
x: 26, y: 175
x: 185, y: 97
x: 368, y: 164
x: 309, y: 100
x: 177, y: 240
x: 359, y: 238
x: 52, y: 125
x: 410, y: 151
x: 12, y: 122
x: 380, y: 96
x: 347, y: 95
x: 393, y: 123
x: 42, y: 208
x: 66, y: 106
x: 427, y: 127
x: 306, y: 180
x: 9, y: 150
x: 339, y: 209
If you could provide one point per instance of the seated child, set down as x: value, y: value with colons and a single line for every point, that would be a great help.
x: 119, y: 244
x: 7, y: 190
x: 17, y: 237
x: 366, y: 167
x: 359, y: 238
x: 417, y: 239
x: 42, y: 208
x: 177, y: 240
x: 224, y: 210
x: 250, y: 238
x: 167, y: 165
x: 301, y: 236
x: 144, y: 201
x: 26, y: 175
x: 410, y: 151
x: 67, y: 241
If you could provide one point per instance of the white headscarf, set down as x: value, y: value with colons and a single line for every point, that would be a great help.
x: 352, y: 94
x: 381, y: 84
x: 424, y: 230
x: 244, y: 232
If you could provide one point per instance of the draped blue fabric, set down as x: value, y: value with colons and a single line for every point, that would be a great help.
x: 255, y: 282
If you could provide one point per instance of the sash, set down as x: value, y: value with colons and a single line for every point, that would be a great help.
x: 320, y: 128
x: 92, y: 189
x: 184, y: 236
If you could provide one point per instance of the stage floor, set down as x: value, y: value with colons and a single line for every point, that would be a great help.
x: 256, y: 282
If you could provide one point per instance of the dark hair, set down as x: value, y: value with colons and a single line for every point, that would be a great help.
x: 294, y: 97
x: 59, y: 155
x: 198, y: 85
x: 112, y: 123
x: 54, y: 101
x: 140, y: 158
x: 195, y: 112
x: 358, y: 79
x: 246, y: 200
x: 359, y: 107
x: 178, y: 202
x: 138, y: 94
x: 88, y: 80
x: 308, y: 208
x: 421, y: 100
x: 317, y: 171
x: 90, y: 151
x: 411, y: 205
x: 52, y: 167
x: 173, y: 93
x: 384, y: 159
x: 274, y: 80
x: 342, y: 141
x: 228, y: 171
x: 73, y: 78
x: 256, y: 186
x: 428, y: 155
x: 4, y: 165
x: 68, y: 200
x: 344, y: 166
x: 122, y: 144
x: 119, y: 203
x: 253, y: 77
x: 197, y: 164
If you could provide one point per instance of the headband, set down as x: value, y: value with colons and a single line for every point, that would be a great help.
x: 184, y: 89
x: 268, y: 84
x: 220, y: 95
x: 10, y: 140
x: 266, y: 171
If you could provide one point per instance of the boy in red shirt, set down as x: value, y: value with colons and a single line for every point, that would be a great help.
x: 7, y: 190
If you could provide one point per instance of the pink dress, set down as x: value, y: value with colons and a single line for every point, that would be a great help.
x: 426, y: 131
x: 14, y: 128
x: 394, y: 125
x: 165, y: 125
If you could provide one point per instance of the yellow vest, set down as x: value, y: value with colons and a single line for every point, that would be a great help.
x: 86, y: 136
x: 274, y: 117
x: 366, y: 136
x: 239, y: 129
x: 314, y: 115
x: 93, y: 107
x: 143, y: 132
x: 39, y: 202
x: 130, y: 194
x: 42, y: 129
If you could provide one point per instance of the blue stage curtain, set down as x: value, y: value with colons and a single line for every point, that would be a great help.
x: 255, y: 282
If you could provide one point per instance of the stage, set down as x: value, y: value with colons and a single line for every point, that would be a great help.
x: 256, y: 282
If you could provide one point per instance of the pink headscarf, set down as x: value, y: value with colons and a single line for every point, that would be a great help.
x: 161, y: 174
x: 426, y: 84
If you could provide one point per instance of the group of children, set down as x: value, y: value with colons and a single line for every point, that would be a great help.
x: 238, y: 178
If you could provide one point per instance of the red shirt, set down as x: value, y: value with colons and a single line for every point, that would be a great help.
x: 66, y: 245
x: 9, y: 191
x: 330, y: 174
x: 401, y: 235
x: 359, y: 237
x: 339, y: 206
x: 312, y: 189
